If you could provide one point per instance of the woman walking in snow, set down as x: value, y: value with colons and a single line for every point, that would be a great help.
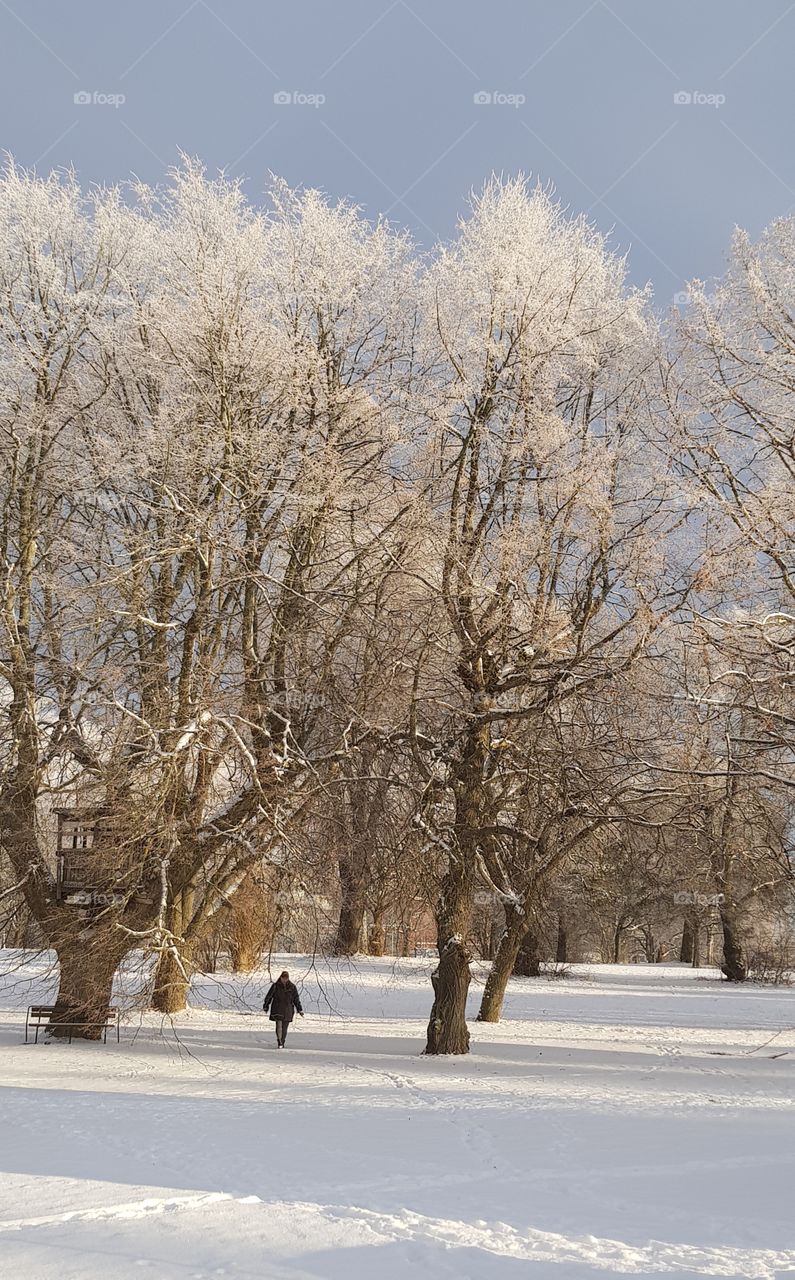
x: 283, y: 1001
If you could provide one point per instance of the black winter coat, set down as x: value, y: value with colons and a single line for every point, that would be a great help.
x: 283, y: 1001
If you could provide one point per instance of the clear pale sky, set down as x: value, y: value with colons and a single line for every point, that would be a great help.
x: 399, y: 129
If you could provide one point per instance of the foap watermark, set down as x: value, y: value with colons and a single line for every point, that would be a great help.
x: 686, y: 297
x: 496, y: 98
x: 294, y: 98
x: 684, y: 98
x: 93, y: 898
x: 303, y: 699
x: 94, y: 98
x: 687, y: 899
x: 300, y: 898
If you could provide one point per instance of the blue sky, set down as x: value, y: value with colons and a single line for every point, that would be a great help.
x: 381, y: 105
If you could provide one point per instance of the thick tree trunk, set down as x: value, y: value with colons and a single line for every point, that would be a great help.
x: 686, y: 946
x: 85, y: 986
x: 244, y: 955
x: 172, y: 981
x: 502, y: 968
x: 170, y: 993
x: 247, y: 922
x: 447, y: 1028
x: 733, y: 966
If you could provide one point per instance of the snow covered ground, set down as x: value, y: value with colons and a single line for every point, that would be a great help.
x: 628, y: 1120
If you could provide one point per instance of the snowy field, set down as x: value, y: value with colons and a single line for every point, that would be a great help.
x: 628, y: 1120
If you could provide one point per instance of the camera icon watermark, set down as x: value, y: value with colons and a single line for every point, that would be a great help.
x: 294, y: 98
x: 496, y: 98
x: 93, y: 98
x: 688, y: 297
x: 684, y: 98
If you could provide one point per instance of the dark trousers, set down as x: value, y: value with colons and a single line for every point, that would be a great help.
x: 281, y: 1030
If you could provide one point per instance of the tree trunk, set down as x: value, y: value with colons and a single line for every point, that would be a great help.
x: 494, y: 939
x: 709, y: 955
x: 170, y: 991
x: 363, y: 800
x: 562, y: 944
x: 244, y: 955
x: 618, y: 938
x: 502, y: 968
x: 686, y: 947
x: 348, y: 940
x: 447, y: 1028
x: 723, y: 863
x: 376, y: 935
x: 170, y: 994
x: 85, y: 985
x: 696, y: 960
x: 247, y: 921
x: 733, y: 966
x: 528, y: 958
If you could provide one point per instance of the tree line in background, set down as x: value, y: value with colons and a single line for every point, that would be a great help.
x: 360, y: 598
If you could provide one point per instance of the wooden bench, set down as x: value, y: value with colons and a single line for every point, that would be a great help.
x: 40, y: 1013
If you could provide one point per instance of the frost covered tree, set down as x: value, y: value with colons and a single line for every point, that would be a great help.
x: 328, y: 567
x: 58, y: 265
x: 543, y: 517
x: 731, y: 391
x: 198, y: 398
